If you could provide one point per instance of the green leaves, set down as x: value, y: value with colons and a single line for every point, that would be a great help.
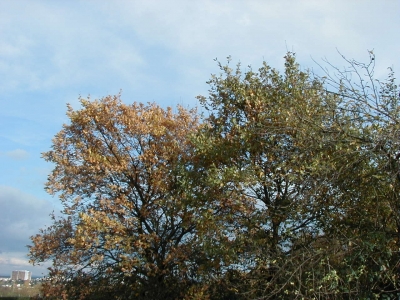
x: 305, y: 163
x: 288, y: 189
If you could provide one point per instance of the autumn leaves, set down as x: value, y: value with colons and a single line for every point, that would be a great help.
x: 281, y: 191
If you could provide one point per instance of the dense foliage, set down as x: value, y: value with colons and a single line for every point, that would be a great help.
x: 287, y: 189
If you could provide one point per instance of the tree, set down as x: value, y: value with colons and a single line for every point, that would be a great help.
x: 315, y: 161
x: 287, y: 189
x: 127, y: 230
x: 368, y: 122
x: 259, y: 132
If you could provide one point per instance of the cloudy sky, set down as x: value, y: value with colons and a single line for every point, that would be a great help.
x: 163, y: 51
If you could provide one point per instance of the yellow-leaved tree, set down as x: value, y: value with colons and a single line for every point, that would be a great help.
x: 127, y: 229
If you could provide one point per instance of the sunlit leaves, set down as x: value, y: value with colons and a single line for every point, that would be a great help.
x: 117, y: 172
x: 287, y: 189
x: 312, y: 159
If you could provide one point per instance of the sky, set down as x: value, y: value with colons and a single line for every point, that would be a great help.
x: 52, y: 52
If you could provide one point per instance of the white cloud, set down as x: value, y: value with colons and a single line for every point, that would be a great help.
x: 11, y: 261
x: 101, y: 47
x: 63, y: 45
x: 17, y: 154
x: 207, y: 27
x: 14, y: 261
x: 194, y: 33
x: 21, y: 216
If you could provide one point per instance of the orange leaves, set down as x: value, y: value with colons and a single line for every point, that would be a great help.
x: 157, y: 206
x: 116, y: 172
x: 107, y: 136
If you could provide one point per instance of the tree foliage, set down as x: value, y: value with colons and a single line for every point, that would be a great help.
x: 127, y: 229
x: 287, y: 189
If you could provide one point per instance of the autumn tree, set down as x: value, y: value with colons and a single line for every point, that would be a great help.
x: 127, y: 230
x: 288, y: 188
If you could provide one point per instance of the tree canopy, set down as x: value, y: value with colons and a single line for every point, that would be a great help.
x: 287, y: 188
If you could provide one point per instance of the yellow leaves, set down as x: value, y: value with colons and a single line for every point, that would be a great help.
x: 108, y: 136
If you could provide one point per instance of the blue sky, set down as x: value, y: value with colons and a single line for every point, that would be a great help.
x: 163, y: 51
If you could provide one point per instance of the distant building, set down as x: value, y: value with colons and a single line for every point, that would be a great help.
x: 21, y: 275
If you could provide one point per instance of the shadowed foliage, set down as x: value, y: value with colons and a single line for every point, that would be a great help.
x: 287, y: 189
